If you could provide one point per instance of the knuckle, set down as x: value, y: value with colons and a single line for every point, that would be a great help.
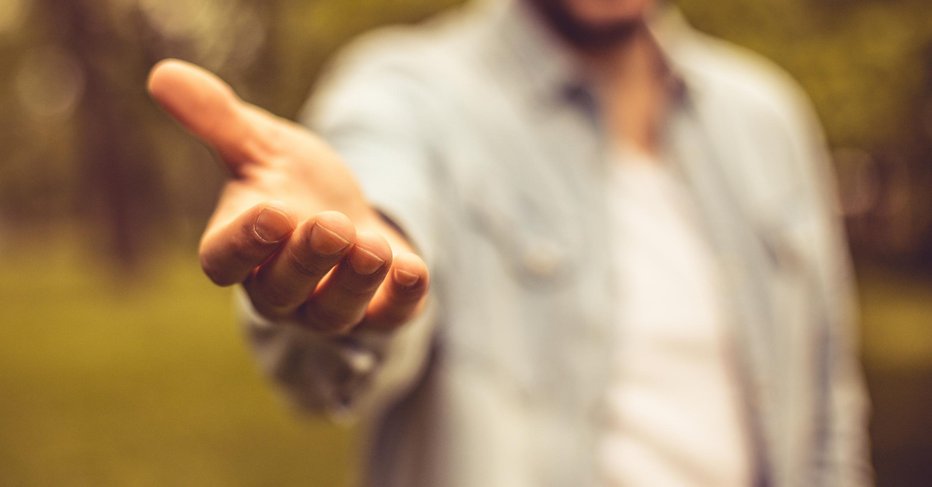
x: 249, y: 251
x: 276, y: 298
x: 308, y: 267
x: 243, y: 253
x: 334, y: 218
x: 360, y: 288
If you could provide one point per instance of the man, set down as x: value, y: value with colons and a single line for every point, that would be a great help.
x: 637, y: 277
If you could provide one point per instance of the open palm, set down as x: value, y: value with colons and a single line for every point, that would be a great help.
x: 291, y: 223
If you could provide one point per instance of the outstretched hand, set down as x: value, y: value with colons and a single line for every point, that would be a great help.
x: 291, y: 223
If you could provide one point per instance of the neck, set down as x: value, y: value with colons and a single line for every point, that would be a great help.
x: 627, y: 69
x: 631, y: 81
x: 635, y: 56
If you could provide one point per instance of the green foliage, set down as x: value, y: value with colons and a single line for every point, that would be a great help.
x: 861, y: 62
x: 105, y: 383
x: 148, y: 384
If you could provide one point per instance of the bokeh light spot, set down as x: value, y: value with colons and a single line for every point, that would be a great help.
x: 49, y: 83
x: 12, y: 14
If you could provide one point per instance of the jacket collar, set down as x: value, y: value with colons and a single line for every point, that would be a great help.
x: 550, y: 67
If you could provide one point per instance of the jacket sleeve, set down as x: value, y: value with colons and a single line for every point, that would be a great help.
x: 344, y: 377
x: 371, y: 112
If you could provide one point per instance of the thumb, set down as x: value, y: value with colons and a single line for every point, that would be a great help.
x: 207, y: 107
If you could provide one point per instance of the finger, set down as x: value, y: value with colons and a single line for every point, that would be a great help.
x: 340, y: 301
x: 232, y: 250
x: 209, y: 108
x: 401, y: 294
x: 286, y: 282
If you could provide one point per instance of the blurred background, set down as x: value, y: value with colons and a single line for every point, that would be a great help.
x: 121, y: 365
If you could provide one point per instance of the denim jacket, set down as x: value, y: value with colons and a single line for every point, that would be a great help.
x: 476, y: 135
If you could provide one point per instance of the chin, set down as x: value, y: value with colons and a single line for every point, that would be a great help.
x: 598, y: 13
x: 594, y: 24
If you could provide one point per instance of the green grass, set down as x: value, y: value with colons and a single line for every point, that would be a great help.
x: 148, y: 381
x: 141, y: 383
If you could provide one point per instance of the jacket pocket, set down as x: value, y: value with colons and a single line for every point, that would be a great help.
x: 528, y: 232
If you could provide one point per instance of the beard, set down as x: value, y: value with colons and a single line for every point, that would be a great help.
x: 588, y: 36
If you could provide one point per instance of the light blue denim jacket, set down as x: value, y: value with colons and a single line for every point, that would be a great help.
x: 476, y: 135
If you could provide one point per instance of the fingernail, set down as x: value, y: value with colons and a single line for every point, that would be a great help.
x: 365, y: 262
x: 406, y: 278
x: 272, y: 225
x: 327, y: 242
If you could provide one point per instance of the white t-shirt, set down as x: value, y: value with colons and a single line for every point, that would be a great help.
x: 674, y: 406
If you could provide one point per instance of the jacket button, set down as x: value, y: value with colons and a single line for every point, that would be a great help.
x: 542, y: 259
